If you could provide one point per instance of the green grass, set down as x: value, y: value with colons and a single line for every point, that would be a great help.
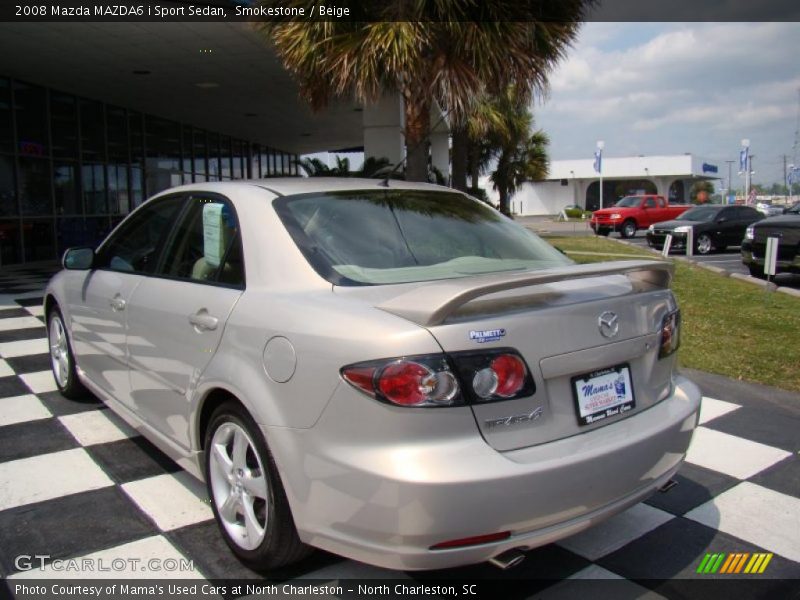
x: 730, y: 327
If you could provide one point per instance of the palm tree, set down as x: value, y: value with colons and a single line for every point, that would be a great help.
x: 519, y: 153
x: 442, y: 51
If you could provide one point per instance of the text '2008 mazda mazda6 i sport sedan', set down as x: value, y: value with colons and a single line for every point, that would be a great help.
x: 393, y: 372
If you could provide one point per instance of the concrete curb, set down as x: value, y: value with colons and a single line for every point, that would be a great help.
x: 789, y: 291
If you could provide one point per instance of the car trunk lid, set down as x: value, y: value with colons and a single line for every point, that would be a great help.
x: 551, y: 317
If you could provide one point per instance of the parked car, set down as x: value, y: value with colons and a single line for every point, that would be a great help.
x: 398, y: 374
x: 713, y: 227
x: 786, y: 228
x: 634, y: 212
x: 769, y: 210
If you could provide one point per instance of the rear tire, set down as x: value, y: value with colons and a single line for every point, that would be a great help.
x: 246, y: 492
x: 628, y: 229
x: 704, y: 244
x: 62, y: 360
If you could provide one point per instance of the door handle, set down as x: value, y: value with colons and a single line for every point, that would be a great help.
x: 117, y: 303
x: 202, y: 321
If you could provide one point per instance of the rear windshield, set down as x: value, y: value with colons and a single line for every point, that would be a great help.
x: 399, y: 236
x: 703, y: 213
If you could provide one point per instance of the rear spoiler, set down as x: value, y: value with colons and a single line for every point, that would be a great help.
x: 431, y: 304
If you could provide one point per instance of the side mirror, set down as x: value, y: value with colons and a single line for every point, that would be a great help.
x: 78, y: 259
x: 722, y: 219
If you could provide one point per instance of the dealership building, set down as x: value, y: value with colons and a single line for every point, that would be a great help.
x: 96, y: 117
x: 577, y: 183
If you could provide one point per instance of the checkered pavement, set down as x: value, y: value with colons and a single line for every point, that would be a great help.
x: 76, y: 481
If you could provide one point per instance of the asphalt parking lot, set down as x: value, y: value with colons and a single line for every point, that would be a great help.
x: 77, y: 483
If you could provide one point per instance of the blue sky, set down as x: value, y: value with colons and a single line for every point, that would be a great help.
x: 669, y: 88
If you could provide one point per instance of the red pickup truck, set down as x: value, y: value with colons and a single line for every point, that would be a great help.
x: 635, y: 212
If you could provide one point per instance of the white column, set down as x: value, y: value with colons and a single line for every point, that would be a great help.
x: 383, y: 129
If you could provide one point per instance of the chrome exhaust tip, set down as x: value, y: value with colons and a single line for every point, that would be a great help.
x: 508, y: 559
x: 668, y: 486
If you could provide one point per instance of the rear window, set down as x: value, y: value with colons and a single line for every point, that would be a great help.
x: 399, y: 236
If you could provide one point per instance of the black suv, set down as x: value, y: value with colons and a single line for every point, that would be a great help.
x: 786, y: 227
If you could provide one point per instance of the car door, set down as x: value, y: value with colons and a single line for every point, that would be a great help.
x: 176, y: 318
x: 650, y: 212
x: 98, y: 308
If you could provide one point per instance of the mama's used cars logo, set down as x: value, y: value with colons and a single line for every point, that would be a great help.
x: 734, y: 563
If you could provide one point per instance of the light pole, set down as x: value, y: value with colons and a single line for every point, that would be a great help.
x: 599, y: 162
x: 793, y: 173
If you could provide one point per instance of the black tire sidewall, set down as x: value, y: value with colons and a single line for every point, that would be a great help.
x: 74, y: 387
x: 233, y: 412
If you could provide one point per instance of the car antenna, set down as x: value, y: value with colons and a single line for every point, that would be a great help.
x: 385, y: 181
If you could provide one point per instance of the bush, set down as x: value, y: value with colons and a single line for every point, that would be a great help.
x: 577, y: 213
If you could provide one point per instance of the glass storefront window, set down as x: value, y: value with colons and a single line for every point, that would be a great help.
x: 70, y: 231
x: 64, y: 125
x: 238, y: 156
x: 39, y: 239
x: 10, y: 242
x: 187, y: 148
x: 30, y: 104
x: 118, y: 193
x: 213, y: 157
x: 136, y: 136
x: 93, y: 131
x: 137, y: 186
x: 34, y: 186
x: 163, y: 143
x: 93, y: 180
x: 65, y: 185
x: 8, y: 192
x: 200, y: 170
x: 6, y: 133
x: 225, y: 157
x: 117, y: 121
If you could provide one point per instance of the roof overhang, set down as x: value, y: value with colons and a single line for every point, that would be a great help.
x: 219, y: 76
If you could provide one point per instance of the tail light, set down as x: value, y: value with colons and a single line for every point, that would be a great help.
x: 670, y: 334
x: 443, y: 380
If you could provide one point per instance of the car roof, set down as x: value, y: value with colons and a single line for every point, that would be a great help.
x: 303, y: 185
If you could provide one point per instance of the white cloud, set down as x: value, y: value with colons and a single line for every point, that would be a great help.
x: 679, y: 87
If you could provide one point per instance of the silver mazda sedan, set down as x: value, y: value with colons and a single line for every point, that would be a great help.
x: 390, y: 371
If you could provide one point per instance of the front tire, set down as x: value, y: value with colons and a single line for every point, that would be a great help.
x: 756, y: 271
x: 62, y: 360
x: 628, y: 229
x: 704, y: 244
x: 246, y: 493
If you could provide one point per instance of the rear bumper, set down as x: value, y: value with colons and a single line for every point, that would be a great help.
x: 388, y: 504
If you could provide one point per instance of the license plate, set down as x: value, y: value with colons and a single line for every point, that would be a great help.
x: 603, y: 394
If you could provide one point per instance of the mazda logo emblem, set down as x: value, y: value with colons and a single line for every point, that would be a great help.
x: 608, y: 324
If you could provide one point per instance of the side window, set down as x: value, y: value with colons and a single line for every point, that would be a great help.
x: 206, y: 245
x: 136, y: 245
x: 728, y: 214
x: 650, y: 202
x: 661, y: 203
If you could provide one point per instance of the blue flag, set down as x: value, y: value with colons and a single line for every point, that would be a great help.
x: 743, y: 156
x: 598, y: 161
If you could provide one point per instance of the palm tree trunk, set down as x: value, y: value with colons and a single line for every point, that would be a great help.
x: 474, y: 163
x: 418, y: 111
x: 459, y: 159
x: 504, y: 208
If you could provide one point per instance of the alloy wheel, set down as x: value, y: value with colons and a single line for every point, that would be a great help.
x: 703, y: 244
x: 59, y: 351
x: 239, y: 485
